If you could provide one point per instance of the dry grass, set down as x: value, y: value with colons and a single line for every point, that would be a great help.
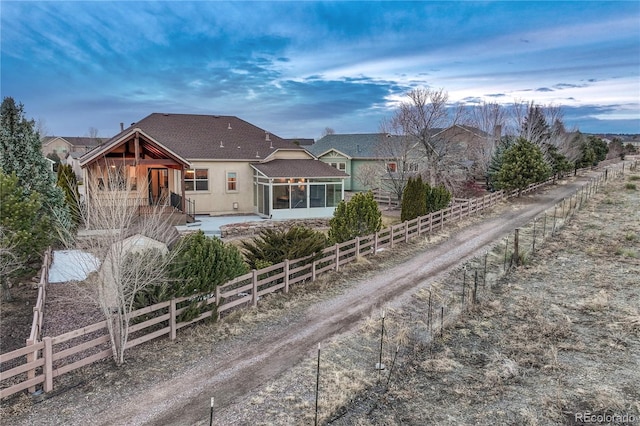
x: 558, y: 337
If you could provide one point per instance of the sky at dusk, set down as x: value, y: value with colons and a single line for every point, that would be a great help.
x: 295, y: 68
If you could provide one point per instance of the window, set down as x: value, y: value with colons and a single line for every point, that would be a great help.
x: 232, y: 182
x: 392, y: 167
x: 412, y: 167
x: 339, y: 165
x: 196, y: 180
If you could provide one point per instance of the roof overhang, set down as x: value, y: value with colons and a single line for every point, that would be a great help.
x: 100, y: 151
x: 298, y: 168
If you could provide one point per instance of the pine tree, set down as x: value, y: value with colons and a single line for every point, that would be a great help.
x: 24, y: 227
x: 274, y: 246
x: 437, y: 198
x: 359, y: 217
x: 68, y: 182
x: 414, y: 201
x: 495, y: 164
x: 20, y: 153
x: 522, y: 165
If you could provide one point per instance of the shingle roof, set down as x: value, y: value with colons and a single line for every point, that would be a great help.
x: 283, y: 168
x: 75, y: 140
x: 356, y: 145
x: 211, y: 136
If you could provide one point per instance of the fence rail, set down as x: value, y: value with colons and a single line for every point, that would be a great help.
x: 54, y: 356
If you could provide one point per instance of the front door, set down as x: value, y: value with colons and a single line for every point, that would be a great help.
x: 158, y: 186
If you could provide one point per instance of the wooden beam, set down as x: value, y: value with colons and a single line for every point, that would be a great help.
x: 137, y: 148
x: 159, y: 161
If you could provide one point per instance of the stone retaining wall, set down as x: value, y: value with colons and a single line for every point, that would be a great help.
x: 253, y: 228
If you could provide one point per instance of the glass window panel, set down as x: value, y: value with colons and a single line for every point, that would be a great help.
x: 281, y: 196
x: 298, y: 196
x: 317, y: 195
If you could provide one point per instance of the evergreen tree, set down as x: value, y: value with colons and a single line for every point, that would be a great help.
x: 495, y: 164
x: 20, y: 153
x: 437, y: 198
x: 414, y: 201
x: 200, y: 265
x: 522, y: 165
x: 68, y: 182
x: 359, y: 217
x: 24, y: 227
x: 274, y: 246
x: 558, y: 162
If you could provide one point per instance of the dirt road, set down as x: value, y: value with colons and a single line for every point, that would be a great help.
x: 184, y: 399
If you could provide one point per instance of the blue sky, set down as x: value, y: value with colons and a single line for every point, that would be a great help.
x: 295, y: 68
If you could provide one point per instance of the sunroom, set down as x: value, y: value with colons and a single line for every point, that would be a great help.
x: 297, y: 189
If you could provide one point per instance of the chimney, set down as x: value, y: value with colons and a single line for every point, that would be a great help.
x: 122, y: 127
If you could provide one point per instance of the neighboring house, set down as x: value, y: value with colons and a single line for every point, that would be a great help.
x: 472, y: 146
x: 69, y: 149
x: 368, y: 158
x: 222, y: 163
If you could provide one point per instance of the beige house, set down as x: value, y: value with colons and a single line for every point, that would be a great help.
x: 215, y: 165
x: 69, y: 149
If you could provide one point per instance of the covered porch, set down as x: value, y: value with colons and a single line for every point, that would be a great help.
x: 297, y: 189
x: 135, y: 170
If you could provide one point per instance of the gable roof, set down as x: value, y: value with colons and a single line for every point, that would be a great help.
x: 460, y: 129
x: 210, y: 137
x: 154, y: 147
x: 356, y: 145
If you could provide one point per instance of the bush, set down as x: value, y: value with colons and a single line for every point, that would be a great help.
x: 522, y: 165
x: 438, y: 198
x: 414, y: 201
x: 274, y: 246
x: 201, y: 264
x: 357, y: 218
x: 631, y: 186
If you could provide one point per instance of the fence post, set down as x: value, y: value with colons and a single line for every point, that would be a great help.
x: 553, y: 230
x: 48, y: 364
x: 31, y: 356
x: 254, y: 293
x: 375, y: 242
x: 313, y: 271
x: 420, y: 225
x: 337, y: 257
x: 286, y: 275
x: 533, y: 247
x: 406, y: 231
x: 391, y: 236
x: 357, y: 247
x: 173, y: 319
x: 516, y: 246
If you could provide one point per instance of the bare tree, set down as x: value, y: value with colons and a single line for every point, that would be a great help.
x: 422, y: 116
x: 491, y: 118
x: 127, y: 240
x: 400, y: 157
x: 9, y: 263
x: 328, y: 131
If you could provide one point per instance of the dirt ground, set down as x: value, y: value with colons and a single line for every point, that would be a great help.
x: 489, y: 366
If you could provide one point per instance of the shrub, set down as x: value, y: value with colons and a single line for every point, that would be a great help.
x: 274, y: 246
x: 438, y: 198
x: 201, y: 264
x: 359, y: 217
x: 630, y: 186
x: 414, y: 201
